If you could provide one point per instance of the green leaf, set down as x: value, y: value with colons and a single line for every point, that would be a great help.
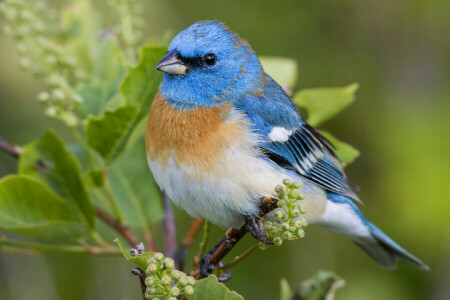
x: 345, y: 152
x: 211, y: 288
x: 29, y: 208
x: 322, y: 285
x: 282, y: 69
x: 285, y: 291
x: 139, y: 261
x: 138, y: 196
x: 101, y: 92
x: 49, y: 160
x: 95, y: 177
x: 109, y: 134
x: 324, y: 103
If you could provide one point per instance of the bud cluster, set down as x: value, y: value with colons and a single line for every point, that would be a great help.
x: 33, y: 25
x: 163, y: 280
x: 289, y: 225
x: 130, y: 21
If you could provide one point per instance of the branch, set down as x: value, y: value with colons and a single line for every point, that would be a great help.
x: 116, y: 225
x: 180, y: 254
x: 170, y: 232
x: 233, y: 235
x: 14, y: 151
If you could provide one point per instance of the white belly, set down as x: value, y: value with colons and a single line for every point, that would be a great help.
x: 232, y: 189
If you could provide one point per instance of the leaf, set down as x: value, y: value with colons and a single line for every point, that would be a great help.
x: 282, y: 69
x: 285, y: 290
x: 324, y: 103
x: 29, y: 208
x: 101, y: 91
x: 211, y: 288
x: 139, y: 261
x: 345, y: 152
x: 138, y: 196
x: 48, y: 160
x: 109, y: 134
x: 321, y: 286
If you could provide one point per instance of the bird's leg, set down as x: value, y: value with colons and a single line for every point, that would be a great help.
x: 207, y: 268
x: 255, y: 226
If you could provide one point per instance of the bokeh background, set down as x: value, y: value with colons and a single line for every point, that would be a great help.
x: 399, y: 53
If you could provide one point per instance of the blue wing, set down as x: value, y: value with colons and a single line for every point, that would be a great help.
x: 291, y: 142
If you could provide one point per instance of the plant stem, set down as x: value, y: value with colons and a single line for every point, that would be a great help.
x: 170, y: 233
x: 119, y: 227
x: 14, y: 151
x: 110, y: 197
x: 238, y: 259
x: 180, y: 253
x: 40, y: 247
x: 204, y: 242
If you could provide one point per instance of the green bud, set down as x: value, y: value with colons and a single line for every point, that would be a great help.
x: 151, y: 268
x: 295, y: 185
x: 150, y: 280
x: 51, y: 111
x: 287, y: 182
x: 277, y: 241
x: 169, y: 263
x: 292, y: 229
x: 262, y: 246
x: 174, y: 291
x: 281, y: 203
x: 298, y: 224
x: 285, y: 235
x: 279, y: 214
x: 191, y: 280
x: 43, y: 97
x: 280, y: 189
x: 285, y: 226
x: 53, y: 80
x: 176, y: 274
x: 183, y: 280
x: 151, y: 290
x: 166, y: 280
x: 58, y: 94
x: 304, y: 222
x: 295, y: 213
x: 158, y: 256
x: 295, y: 194
x: 301, y: 233
x: 189, y: 290
x: 302, y: 208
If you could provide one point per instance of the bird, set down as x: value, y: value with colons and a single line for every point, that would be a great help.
x: 221, y: 134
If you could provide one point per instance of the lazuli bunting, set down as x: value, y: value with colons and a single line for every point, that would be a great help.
x: 221, y: 134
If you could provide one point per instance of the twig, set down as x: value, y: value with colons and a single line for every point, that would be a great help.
x: 120, y: 228
x: 14, y: 151
x: 170, y: 232
x: 233, y: 236
x: 239, y: 258
x: 180, y: 254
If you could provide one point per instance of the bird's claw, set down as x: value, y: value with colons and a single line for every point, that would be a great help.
x: 206, y: 268
x: 255, y: 227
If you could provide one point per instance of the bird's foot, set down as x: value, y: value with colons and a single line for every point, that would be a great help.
x: 206, y: 268
x: 255, y: 227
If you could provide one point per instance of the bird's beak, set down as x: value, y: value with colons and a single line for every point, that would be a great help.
x: 172, y: 64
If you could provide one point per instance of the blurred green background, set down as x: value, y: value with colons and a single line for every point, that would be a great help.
x: 399, y: 53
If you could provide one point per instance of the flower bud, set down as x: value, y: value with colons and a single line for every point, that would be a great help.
x: 51, y: 111
x: 279, y: 214
x: 150, y: 280
x: 166, y: 280
x: 302, y: 208
x: 295, y: 213
x: 169, y: 263
x: 301, y: 233
x: 174, y: 291
x: 285, y: 226
x: 183, y: 280
x: 277, y: 241
x: 152, y: 268
x: 189, y: 290
x: 191, y: 280
x: 158, y: 256
x: 295, y: 194
x: 298, y: 224
x: 176, y: 274
x: 287, y: 182
x: 43, y: 97
x: 279, y: 189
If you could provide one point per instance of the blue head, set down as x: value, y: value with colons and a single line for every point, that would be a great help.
x: 207, y: 65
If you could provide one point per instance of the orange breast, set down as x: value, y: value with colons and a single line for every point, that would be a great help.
x: 196, y: 137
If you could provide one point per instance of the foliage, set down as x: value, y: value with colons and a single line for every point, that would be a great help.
x: 101, y: 87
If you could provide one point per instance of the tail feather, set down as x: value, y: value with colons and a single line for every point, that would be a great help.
x: 342, y: 216
x: 385, y: 251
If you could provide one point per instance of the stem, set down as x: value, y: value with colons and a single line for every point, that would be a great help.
x: 110, y: 197
x: 169, y: 227
x: 205, y: 238
x: 58, y: 248
x: 238, y: 259
x: 119, y: 227
x: 193, y: 229
x: 14, y: 151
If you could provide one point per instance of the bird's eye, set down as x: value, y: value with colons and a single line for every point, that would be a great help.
x: 210, y: 59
